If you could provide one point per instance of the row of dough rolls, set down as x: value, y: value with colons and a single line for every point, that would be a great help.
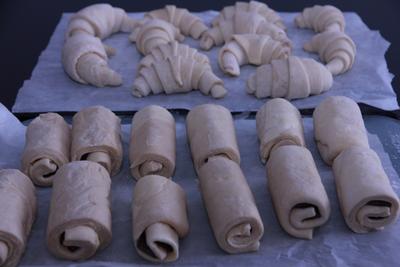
x: 298, y: 195
x: 229, y: 202
x: 159, y: 205
x: 367, y: 199
x: 18, y: 210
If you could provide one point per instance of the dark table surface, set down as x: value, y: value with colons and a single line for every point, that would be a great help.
x: 26, y: 26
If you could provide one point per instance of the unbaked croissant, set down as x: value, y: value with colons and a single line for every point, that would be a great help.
x: 181, y: 18
x: 321, y: 18
x: 152, y: 33
x: 250, y: 49
x: 252, y: 6
x: 176, y: 68
x: 335, y: 48
x: 290, y: 78
x: 85, y: 61
x: 100, y: 20
x: 239, y: 23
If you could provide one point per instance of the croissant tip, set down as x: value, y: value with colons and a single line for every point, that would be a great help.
x: 218, y: 91
x: 251, y: 84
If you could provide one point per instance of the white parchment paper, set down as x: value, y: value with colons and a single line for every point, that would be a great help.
x: 333, y: 244
x: 50, y: 89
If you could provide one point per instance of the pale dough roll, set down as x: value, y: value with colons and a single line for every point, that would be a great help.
x: 298, y: 195
x: 153, y: 141
x: 211, y: 132
x: 230, y: 205
x: 96, y: 136
x: 278, y: 124
x: 159, y: 218
x: 338, y: 124
x: 47, y: 145
x: 17, y: 209
x: 366, y: 197
x: 79, y: 216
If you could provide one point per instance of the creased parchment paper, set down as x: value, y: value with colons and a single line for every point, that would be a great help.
x: 333, y: 244
x: 50, y: 89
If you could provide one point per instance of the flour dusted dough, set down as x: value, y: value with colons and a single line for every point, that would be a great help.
x: 230, y: 205
x: 47, y: 146
x: 278, y: 124
x: 84, y: 59
x: 321, y: 18
x: 211, y: 132
x: 176, y: 68
x: 299, y: 198
x: 338, y: 125
x: 290, y: 78
x: 250, y: 49
x: 335, y: 48
x: 159, y: 218
x: 17, y: 209
x: 181, y: 18
x: 100, y: 20
x: 241, y: 22
x: 96, y: 136
x: 153, y: 32
x: 153, y: 142
x: 253, y: 6
x: 79, y: 217
x: 366, y: 197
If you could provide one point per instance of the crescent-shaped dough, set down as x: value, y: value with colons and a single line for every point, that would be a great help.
x: 366, y: 197
x: 17, y: 209
x: 96, y: 136
x: 321, y: 18
x: 338, y: 125
x: 278, y: 124
x: 79, y: 216
x: 47, y: 147
x: 153, y: 143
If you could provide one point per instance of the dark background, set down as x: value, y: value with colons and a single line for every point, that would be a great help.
x: 26, y: 27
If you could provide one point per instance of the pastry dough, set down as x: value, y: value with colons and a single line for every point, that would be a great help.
x: 250, y: 49
x: 336, y: 49
x: 230, y: 205
x: 278, y: 124
x: 153, y: 142
x: 299, y: 198
x: 253, y: 6
x: 47, y: 145
x: 176, y: 68
x: 290, y: 78
x: 241, y: 22
x: 366, y: 197
x: 84, y: 59
x: 100, y: 20
x: 96, y: 136
x: 159, y: 218
x: 338, y: 125
x: 321, y: 18
x: 181, y: 18
x: 79, y: 216
x: 152, y: 33
x: 211, y: 132
x: 17, y: 209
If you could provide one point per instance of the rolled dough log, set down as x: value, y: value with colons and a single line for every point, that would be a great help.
x: 338, y: 124
x: 153, y: 142
x: 17, y: 209
x: 366, y: 197
x: 159, y: 218
x: 80, y: 216
x: 47, y: 145
x: 299, y: 197
x: 96, y: 136
x: 230, y: 205
x: 211, y: 132
x: 278, y: 123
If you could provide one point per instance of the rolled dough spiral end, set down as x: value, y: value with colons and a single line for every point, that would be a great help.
x: 206, y: 42
x: 374, y: 216
x: 218, y: 91
x: 298, y: 216
x: 240, y: 234
x: 81, y: 239
x: 42, y: 171
x: 150, y: 167
x: 3, y: 253
x: 163, y: 241
x: 101, y: 158
x: 140, y: 88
